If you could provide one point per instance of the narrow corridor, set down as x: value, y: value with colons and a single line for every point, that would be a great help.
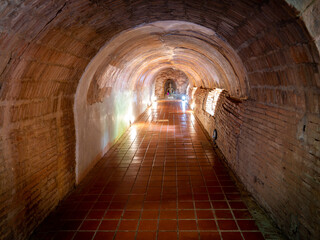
x: 161, y: 180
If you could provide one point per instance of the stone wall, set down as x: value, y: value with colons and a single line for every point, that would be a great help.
x: 274, y: 152
x: 45, y: 47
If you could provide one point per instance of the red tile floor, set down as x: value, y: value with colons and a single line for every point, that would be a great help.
x: 161, y: 180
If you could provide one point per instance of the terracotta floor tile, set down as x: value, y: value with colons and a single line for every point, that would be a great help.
x: 146, y: 236
x: 168, y: 205
x: 220, y: 205
x: 131, y: 215
x: 83, y: 236
x: 185, y: 205
x: 104, y: 236
x: 125, y: 235
x: 210, y: 236
x: 203, y: 205
x: 168, y: 214
x: 187, y: 225
x: 231, y: 236
x: 223, y: 214
x: 186, y: 214
x: 134, y: 205
x: 167, y: 225
x: 89, y: 225
x: 207, y: 225
x: 152, y: 205
x: 130, y: 225
x: 105, y: 197
x: 205, y: 214
x: 201, y: 197
x: 148, y: 225
x: 216, y: 196
x: 188, y: 235
x: 150, y: 214
x: 113, y: 214
x: 160, y: 175
x: 108, y: 225
x: 167, y: 235
x: 227, y: 225
x: 117, y: 205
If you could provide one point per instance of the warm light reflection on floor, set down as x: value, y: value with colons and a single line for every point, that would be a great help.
x: 133, y: 132
x: 161, y: 180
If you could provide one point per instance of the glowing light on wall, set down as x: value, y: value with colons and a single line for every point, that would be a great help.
x: 131, y: 119
x: 192, y: 118
x: 183, y: 98
x: 193, y: 105
x: 212, y: 100
x: 130, y: 116
x: 154, y: 98
x: 193, y: 92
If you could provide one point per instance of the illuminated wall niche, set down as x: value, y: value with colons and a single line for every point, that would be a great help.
x: 212, y: 100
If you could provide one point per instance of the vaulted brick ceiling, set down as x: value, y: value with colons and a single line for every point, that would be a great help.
x: 45, y: 47
x: 133, y: 58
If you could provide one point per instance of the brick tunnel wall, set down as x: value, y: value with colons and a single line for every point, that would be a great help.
x: 274, y: 152
x: 45, y: 47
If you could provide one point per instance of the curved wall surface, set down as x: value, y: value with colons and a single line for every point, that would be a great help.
x: 73, y: 72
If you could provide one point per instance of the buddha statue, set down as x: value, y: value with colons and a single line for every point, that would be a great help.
x: 170, y: 90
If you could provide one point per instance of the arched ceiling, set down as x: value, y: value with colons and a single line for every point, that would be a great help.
x: 133, y: 58
x: 48, y: 44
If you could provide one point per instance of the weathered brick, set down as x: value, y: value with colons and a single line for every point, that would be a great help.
x: 260, y: 144
x: 45, y: 47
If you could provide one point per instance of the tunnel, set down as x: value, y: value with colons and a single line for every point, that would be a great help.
x: 82, y: 80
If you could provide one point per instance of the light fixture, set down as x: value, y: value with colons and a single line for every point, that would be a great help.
x: 215, y: 135
x: 183, y: 98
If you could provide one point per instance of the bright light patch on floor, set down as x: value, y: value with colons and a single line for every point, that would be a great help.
x: 133, y: 133
x: 130, y: 116
x: 183, y: 104
x: 212, y: 100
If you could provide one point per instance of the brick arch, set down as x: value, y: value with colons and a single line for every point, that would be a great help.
x: 46, y: 46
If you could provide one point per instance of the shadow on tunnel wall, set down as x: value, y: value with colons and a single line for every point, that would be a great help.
x: 264, y: 53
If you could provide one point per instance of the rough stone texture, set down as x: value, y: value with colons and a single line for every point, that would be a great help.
x: 275, y: 153
x: 177, y: 76
x: 45, y: 47
x: 309, y: 12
